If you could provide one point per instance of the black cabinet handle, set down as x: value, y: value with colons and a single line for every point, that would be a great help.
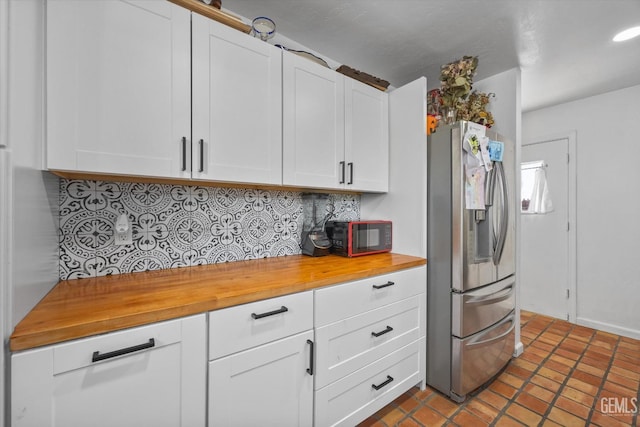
x: 386, y: 330
x: 98, y: 357
x: 342, y: 173
x: 311, y: 362
x: 350, y: 173
x: 282, y: 309
x: 379, y: 386
x: 184, y: 153
x: 389, y: 283
x: 201, y: 156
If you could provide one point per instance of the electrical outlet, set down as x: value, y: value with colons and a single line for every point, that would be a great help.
x: 122, y: 232
x: 125, y: 238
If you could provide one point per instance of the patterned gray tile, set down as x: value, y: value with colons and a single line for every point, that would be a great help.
x: 177, y: 226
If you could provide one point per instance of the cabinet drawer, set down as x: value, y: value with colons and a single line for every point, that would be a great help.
x: 80, y: 353
x: 345, y: 346
x: 341, y: 301
x: 352, y: 399
x: 241, y: 327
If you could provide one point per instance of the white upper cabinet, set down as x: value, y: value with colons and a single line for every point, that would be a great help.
x: 335, y: 129
x: 366, y: 137
x: 313, y: 124
x: 237, y: 106
x: 118, y: 96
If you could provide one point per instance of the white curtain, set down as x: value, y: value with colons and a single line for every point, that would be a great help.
x: 536, y: 198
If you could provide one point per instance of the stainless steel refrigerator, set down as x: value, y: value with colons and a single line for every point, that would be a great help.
x: 471, y: 264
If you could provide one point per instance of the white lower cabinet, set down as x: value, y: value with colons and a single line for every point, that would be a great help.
x: 370, y: 340
x: 261, y: 363
x: 350, y: 400
x: 152, y: 375
x: 328, y: 357
x: 269, y: 385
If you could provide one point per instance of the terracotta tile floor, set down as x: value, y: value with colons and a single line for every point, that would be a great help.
x: 568, y: 375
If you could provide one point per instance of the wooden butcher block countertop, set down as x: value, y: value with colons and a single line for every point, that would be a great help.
x: 83, y: 307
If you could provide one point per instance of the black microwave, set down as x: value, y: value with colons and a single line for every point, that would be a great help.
x: 356, y: 238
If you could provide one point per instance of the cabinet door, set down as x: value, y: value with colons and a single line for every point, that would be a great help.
x: 237, y: 106
x: 163, y: 384
x: 313, y: 124
x: 118, y: 76
x: 264, y: 386
x: 366, y: 137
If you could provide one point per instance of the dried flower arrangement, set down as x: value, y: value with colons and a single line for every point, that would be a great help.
x: 455, y: 96
x: 475, y: 108
x: 456, y: 79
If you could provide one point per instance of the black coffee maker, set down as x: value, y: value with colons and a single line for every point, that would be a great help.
x: 314, y: 238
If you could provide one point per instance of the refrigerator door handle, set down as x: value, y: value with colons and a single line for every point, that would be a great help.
x: 510, y: 319
x: 504, y: 215
x: 490, y: 187
x: 492, y: 298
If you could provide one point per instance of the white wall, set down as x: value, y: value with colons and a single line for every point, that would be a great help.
x: 608, y: 180
x: 29, y: 267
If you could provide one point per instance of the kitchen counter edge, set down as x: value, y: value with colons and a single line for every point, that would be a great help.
x: 81, y: 308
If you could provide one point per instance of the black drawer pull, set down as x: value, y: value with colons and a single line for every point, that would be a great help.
x: 184, y: 153
x: 310, y: 368
x: 282, y: 309
x: 379, y: 386
x: 350, y: 173
x: 389, y: 283
x: 377, y: 334
x: 201, y: 156
x: 98, y: 357
x: 342, y: 173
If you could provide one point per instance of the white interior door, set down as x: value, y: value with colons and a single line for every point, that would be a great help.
x: 545, y: 257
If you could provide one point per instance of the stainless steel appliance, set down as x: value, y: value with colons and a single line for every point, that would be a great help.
x: 471, y: 272
x: 356, y: 238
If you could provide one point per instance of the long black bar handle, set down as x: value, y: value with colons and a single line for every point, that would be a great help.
x: 311, y: 361
x: 342, y: 175
x: 201, y: 156
x: 184, y: 153
x: 385, y: 331
x: 389, y: 283
x: 350, y: 173
x: 282, y: 309
x: 382, y: 384
x: 98, y: 357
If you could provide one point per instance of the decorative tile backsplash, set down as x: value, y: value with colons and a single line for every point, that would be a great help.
x: 178, y: 226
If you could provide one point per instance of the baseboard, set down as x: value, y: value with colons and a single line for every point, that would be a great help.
x: 607, y: 327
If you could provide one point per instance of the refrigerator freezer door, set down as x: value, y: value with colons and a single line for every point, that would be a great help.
x: 478, y: 358
x: 476, y: 310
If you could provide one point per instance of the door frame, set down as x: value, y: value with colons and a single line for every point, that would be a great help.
x: 572, y: 268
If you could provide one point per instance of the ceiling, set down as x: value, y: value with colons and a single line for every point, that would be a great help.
x: 563, y: 47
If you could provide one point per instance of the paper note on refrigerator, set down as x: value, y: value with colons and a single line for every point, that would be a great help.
x: 484, y: 151
x: 496, y: 149
x: 474, y: 187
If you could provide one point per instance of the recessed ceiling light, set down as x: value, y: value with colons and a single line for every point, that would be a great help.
x: 627, y: 34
